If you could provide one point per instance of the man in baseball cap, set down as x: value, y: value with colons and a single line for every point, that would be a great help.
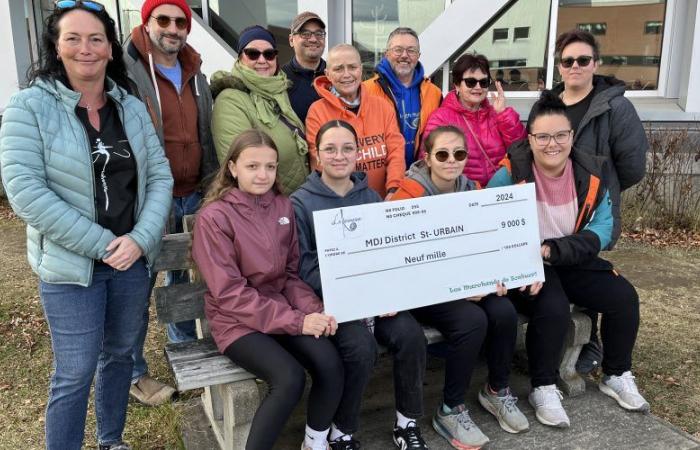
x: 308, y: 39
x: 167, y: 76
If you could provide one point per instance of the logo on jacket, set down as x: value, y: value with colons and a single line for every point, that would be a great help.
x: 284, y: 220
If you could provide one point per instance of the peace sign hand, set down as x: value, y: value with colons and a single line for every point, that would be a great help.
x: 498, y: 98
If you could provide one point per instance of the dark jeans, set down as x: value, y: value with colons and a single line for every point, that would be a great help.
x: 601, y: 291
x: 280, y: 361
x: 404, y: 338
x: 464, y: 324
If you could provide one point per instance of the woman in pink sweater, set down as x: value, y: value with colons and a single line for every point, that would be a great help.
x: 489, y: 127
x: 261, y: 314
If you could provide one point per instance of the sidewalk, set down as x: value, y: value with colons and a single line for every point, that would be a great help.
x: 596, y: 420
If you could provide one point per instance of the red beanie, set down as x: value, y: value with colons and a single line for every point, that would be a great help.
x: 150, y: 5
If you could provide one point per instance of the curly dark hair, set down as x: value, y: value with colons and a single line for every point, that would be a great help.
x: 469, y: 61
x: 51, y: 68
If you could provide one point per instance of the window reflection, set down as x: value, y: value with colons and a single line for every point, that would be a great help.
x: 629, y: 33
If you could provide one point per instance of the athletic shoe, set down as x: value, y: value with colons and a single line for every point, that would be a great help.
x: 547, y: 403
x: 342, y: 444
x: 503, y: 406
x: 409, y: 438
x: 119, y: 446
x: 321, y: 446
x: 624, y: 390
x: 459, y: 429
x: 590, y: 357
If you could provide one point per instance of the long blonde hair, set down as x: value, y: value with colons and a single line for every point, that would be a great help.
x: 223, y: 181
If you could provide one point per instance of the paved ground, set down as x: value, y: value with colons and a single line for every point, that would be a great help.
x: 596, y: 420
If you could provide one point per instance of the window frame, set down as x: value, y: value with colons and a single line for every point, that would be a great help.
x: 500, y: 40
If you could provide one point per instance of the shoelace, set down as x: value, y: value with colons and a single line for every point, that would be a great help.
x: 465, y: 420
x: 551, y: 397
x: 628, y: 383
x: 508, y: 401
x: 413, y: 436
x: 343, y: 444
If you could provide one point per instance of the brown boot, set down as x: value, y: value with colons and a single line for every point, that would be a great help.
x: 151, y: 392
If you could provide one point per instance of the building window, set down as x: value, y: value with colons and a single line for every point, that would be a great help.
x: 653, y: 27
x: 596, y: 29
x: 521, y: 33
x: 500, y: 34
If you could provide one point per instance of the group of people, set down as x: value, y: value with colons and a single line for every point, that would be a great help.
x: 112, y: 145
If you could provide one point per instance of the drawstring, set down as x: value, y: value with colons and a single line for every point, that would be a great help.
x: 196, y: 85
x: 155, y: 82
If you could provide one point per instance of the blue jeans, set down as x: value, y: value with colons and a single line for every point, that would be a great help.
x: 180, y: 331
x: 93, y: 331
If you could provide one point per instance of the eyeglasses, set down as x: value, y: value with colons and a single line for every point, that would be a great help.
x: 164, y: 21
x: 306, y: 34
x: 398, y: 51
x: 560, y: 137
x: 332, y: 151
x: 444, y: 155
x: 252, y: 53
x: 66, y: 4
x: 582, y: 61
x: 471, y: 82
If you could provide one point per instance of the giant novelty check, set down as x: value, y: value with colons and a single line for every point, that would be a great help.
x: 384, y: 257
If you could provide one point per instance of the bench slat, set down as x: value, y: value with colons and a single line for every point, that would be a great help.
x: 174, y: 254
x: 188, y: 351
x: 180, y: 302
x: 207, y: 372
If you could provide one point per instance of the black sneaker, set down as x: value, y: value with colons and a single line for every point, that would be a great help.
x: 409, y: 438
x: 344, y: 444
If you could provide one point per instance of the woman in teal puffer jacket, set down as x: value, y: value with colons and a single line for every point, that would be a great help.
x: 83, y: 167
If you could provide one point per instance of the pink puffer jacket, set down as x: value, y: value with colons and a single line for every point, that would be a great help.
x: 496, y: 132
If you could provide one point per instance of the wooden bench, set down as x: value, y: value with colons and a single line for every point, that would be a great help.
x: 231, y: 395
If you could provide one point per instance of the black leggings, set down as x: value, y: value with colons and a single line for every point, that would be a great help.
x: 603, y: 291
x: 280, y: 361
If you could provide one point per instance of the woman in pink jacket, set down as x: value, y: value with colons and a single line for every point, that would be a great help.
x: 261, y: 314
x: 489, y: 127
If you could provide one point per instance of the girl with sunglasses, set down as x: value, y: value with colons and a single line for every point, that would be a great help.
x: 489, y: 127
x: 254, y: 95
x: 261, y: 314
x: 83, y: 167
x: 464, y: 323
x: 575, y: 223
x: 605, y: 124
x: 336, y: 184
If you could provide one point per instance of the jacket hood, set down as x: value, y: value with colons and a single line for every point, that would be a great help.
x: 452, y: 102
x: 419, y: 172
x: 385, y: 70
x: 314, y: 185
x: 190, y: 60
x: 323, y: 87
x: 605, y: 86
x: 224, y: 79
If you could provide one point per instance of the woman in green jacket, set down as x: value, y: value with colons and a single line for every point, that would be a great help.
x: 254, y: 95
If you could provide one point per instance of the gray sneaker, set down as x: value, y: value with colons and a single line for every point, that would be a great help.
x: 459, y: 429
x: 547, y: 403
x: 624, y: 390
x: 503, y: 406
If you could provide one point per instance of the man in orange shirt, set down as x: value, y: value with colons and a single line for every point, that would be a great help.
x: 399, y: 78
x: 380, y: 144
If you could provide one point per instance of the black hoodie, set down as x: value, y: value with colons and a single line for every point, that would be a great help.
x: 312, y: 196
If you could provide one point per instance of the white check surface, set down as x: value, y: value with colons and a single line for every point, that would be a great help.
x: 393, y: 256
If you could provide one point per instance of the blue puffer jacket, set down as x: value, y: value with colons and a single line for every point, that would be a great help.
x: 48, y: 175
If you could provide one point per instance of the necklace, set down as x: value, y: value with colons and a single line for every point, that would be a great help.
x: 97, y: 105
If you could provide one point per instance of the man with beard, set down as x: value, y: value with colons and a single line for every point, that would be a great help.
x: 308, y: 39
x: 399, y: 77
x: 165, y: 73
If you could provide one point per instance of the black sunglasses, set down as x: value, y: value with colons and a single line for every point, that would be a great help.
x: 270, y: 54
x: 444, y: 155
x: 66, y: 4
x: 164, y: 21
x: 472, y: 82
x: 582, y: 61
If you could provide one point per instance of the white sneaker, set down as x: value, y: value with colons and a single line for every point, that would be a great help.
x: 547, y: 403
x: 624, y: 390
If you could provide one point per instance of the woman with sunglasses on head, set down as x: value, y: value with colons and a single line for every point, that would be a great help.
x: 336, y: 184
x: 489, y: 127
x: 261, y: 314
x: 575, y: 223
x: 83, y: 167
x: 465, y: 323
x: 254, y: 95
x: 605, y: 124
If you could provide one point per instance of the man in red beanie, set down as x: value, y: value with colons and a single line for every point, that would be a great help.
x: 165, y: 73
